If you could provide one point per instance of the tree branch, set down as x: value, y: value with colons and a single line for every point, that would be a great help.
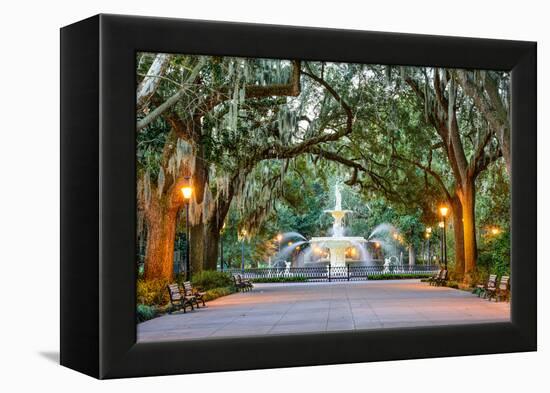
x: 494, y: 111
x: 291, y: 89
x: 151, y: 81
x: 171, y: 101
x: 428, y: 170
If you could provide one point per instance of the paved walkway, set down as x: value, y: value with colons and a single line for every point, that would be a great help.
x: 319, y: 307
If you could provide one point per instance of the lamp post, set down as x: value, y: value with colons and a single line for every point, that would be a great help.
x: 243, y: 234
x: 221, y: 247
x: 428, y: 235
x: 441, y: 225
x: 443, y: 211
x: 187, y: 192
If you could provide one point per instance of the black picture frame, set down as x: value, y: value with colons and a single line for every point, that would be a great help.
x: 98, y: 196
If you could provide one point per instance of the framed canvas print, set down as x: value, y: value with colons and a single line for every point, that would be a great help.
x: 240, y: 196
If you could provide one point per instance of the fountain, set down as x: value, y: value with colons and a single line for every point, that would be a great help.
x: 337, y: 244
x: 337, y: 249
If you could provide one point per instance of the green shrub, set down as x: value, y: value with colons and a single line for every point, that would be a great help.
x: 453, y: 284
x: 494, y: 257
x: 215, y: 293
x: 390, y: 276
x: 210, y: 279
x: 279, y: 279
x: 145, y: 312
x: 152, y: 292
x: 397, y: 276
x: 480, y: 275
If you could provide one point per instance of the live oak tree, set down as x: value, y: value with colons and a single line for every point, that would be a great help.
x: 199, y: 90
x: 398, y: 140
x: 216, y: 109
x: 469, y: 144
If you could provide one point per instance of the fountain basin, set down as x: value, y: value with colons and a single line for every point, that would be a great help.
x: 337, y: 241
x: 337, y: 246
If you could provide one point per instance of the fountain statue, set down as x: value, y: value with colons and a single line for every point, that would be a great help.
x: 337, y: 244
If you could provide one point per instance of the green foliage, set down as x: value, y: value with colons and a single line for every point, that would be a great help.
x: 152, y: 292
x: 150, y: 143
x: 411, y: 228
x: 493, y: 198
x: 494, y: 256
x: 215, y: 293
x: 392, y: 276
x: 452, y: 284
x: 301, y: 210
x: 145, y: 312
x: 209, y: 279
x: 279, y: 279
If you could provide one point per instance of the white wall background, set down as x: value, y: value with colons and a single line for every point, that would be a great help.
x: 29, y: 193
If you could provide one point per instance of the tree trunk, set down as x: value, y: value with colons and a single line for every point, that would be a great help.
x: 412, y: 255
x: 197, y: 235
x: 458, y: 229
x: 503, y: 135
x: 214, y: 227
x: 161, y: 233
x: 467, y: 197
x: 196, y: 247
x: 212, y: 243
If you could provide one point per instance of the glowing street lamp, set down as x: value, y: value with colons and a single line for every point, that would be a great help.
x: 187, y: 192
x: 443, y: 210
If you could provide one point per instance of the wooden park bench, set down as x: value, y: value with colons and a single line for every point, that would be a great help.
x: 194, y: 293
x: 500, y: 292
x: 240, y: 284
x: 481, y: 289
x: 179, y: 300
x: 433, y: 278
x: 246, y: 282
x: 443, y: 278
